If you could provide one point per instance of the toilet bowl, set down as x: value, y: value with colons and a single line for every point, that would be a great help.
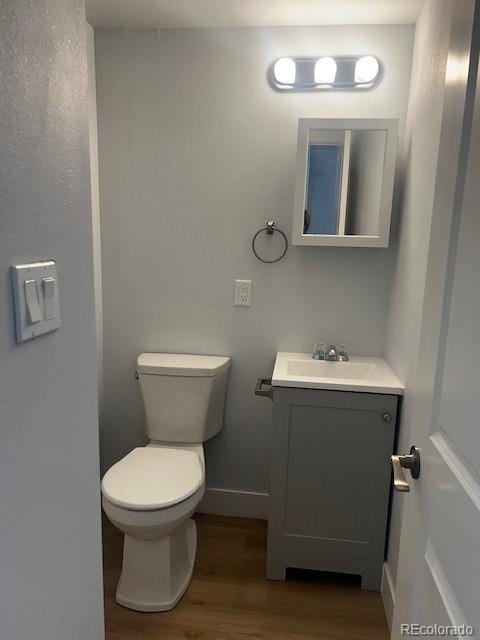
x: 150, y: 496
x: 152, y: 492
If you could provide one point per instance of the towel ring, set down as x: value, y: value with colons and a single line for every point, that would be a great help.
x: 270, y: 228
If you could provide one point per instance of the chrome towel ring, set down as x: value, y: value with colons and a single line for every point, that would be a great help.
x: 270, y: 228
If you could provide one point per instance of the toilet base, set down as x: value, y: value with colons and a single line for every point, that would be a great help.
x: 156, y: 573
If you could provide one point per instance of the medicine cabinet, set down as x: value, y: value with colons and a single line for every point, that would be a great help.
x: 344, y: 181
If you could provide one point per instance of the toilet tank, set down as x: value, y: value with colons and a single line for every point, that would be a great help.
x: 183, y: 395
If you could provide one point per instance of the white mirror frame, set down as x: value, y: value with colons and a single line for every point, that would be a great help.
x: 306, y: 126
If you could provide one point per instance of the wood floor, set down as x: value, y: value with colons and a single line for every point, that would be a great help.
x: 230, y: 599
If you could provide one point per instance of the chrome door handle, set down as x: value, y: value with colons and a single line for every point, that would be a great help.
x: 399, y: 481
x: 399, y: 463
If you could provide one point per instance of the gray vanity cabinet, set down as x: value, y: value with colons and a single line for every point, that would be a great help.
x: 330, y: 482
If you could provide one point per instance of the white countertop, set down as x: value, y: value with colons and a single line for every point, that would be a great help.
x: 365, y: 374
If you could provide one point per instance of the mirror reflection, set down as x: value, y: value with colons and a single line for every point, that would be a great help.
x: 344, y: 182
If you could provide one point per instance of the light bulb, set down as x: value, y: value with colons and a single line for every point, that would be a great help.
x: 325, y: 71
x: 366, y: 69
x: 284, y: 71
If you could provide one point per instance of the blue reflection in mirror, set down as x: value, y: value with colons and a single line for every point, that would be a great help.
x: 323, y: 189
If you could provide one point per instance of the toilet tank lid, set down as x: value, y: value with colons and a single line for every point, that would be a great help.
x: 181, y: 364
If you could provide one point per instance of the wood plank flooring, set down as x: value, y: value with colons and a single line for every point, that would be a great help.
x: 230, y: 599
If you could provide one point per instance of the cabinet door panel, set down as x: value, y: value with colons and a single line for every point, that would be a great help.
x: 330, y: 482
x: 329, y: 485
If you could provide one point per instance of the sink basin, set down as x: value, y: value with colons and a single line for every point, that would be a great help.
x: 320, y: 369
x: 372, y: 375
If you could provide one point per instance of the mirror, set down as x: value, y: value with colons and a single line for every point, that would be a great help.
x: 344, y: 186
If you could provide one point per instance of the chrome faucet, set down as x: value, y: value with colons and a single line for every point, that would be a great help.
x: 332, y: 354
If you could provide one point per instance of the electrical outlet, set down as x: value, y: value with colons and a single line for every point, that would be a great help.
x: 243, y: 293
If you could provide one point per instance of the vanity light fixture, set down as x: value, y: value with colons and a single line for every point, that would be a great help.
x: 325, y: 73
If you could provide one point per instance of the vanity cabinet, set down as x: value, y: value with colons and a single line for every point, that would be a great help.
x: 330, y: 482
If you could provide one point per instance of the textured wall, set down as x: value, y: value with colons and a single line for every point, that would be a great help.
x: 420, y: 150
x: 196, y: 153
x: 50, y: 564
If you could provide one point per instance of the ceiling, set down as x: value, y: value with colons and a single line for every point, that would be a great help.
x: 157, y: 14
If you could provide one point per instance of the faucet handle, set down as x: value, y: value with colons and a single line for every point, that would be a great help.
x: 342, y: 353
x: 319, y: 351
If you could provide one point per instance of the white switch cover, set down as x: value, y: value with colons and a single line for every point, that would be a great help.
x: 35, y: 297
x: 243, y: 293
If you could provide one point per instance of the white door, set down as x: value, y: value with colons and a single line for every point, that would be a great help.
x: 439, y: 565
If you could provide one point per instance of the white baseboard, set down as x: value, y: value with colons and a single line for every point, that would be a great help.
x: 388, y: 594
x: 230, y: 502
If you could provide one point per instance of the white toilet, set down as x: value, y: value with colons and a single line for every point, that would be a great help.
x: 151, y: 493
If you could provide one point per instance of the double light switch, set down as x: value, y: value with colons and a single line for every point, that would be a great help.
x: 35, y: 294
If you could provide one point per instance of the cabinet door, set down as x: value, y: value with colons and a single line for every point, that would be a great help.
x: 330, y: 478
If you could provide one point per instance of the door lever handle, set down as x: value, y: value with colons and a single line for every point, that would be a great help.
x: 399, y: 481
x: 399, y: 463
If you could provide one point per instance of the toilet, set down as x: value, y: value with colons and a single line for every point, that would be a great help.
x: 151, y: 493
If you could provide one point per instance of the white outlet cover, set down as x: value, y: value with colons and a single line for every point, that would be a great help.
x: 243, y: 293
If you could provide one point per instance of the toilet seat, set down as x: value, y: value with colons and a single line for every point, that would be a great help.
x: 150, y: 478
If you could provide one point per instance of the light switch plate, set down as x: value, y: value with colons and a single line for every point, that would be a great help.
x: 42, y: 289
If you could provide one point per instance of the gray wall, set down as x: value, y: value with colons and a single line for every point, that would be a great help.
x: 50, y: 560
x: 420, y: 150
x: 196, y: 153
